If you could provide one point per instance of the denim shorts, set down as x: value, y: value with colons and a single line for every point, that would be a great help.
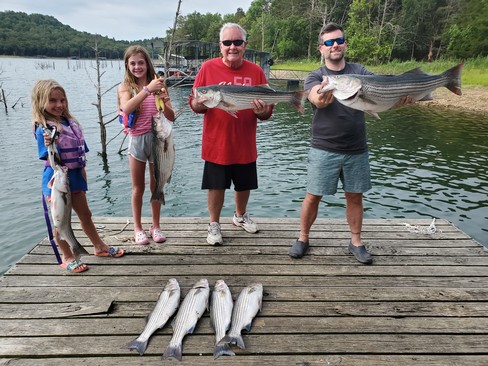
x: 326, y: 168
x: 140, y: 147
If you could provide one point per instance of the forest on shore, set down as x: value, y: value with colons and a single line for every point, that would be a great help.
x: 377, y: 31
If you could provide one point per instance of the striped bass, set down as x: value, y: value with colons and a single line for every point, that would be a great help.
x: 233, y: 98
x: 165, y: 307
x: 164, y: 154
x: 191, y: 310
x: 61, y: 201
x: 377, y: 93
x: 248, y: 304
x: 220, y: 316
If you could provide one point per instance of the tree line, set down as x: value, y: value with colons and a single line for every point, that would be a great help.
x: 376, y: 30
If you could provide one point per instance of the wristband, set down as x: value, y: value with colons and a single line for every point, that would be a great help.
x: 146, y: 90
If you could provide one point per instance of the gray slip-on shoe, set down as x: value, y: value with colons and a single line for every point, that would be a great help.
x: 360, y: 253
x: 298, y: 249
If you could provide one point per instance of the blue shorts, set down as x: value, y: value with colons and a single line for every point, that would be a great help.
x: 326, y: 168
x: 77, y: 182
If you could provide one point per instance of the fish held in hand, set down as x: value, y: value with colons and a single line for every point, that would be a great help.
x: 232, y: 98
x: 165, y: 307
x: 61, y: 202
x: 164, y: 154
x: 377, y: 93
x: 191, y: 310
x: 248, y: 304
x: 220, y: 316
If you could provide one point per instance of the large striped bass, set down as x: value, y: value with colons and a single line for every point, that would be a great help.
x: 248, y: 304
x: 61, y: 201
x: 220, y: 315
x: 233, y: 98
x: 191, y: 310
x: 165, y: 307
x: 164, y: 155
x: 377, y: 93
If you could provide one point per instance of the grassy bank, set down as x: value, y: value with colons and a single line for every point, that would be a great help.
x: 475, y: 71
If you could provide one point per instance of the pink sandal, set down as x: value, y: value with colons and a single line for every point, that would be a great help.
x: 157, y: 235
x: 141, y: 238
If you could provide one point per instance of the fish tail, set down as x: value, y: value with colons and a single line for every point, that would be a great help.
x: 299, y: 100
x: 158, y: 196
x: 137, y: 345
x: 222, y: 349
x: 237, y: 340
x: 173, y: 352
x: 454, y: 76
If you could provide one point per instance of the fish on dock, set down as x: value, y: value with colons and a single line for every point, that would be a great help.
x: 248, y: 304
x: 165, y: 307
x: 377, y: 93
x: 221, y: 305
x: 61, y: 201
x: 164, y: 154
x: 191, y: 310
x: 232, y: 98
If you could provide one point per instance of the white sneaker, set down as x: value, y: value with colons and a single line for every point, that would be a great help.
x: 245, y: 222
x: 214, y: 236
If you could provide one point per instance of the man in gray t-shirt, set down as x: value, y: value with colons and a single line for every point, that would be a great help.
x: 338, y: 149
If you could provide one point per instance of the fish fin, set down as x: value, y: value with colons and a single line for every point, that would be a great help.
x: 299, y: 98
x: 237, y: 340
x: 374, y: 114
x: 232, y: 113
x: 454, y: 74
x: 222, y: 349
x: 427, y: 97
x: 79, y: 250
x: 158, y: 196
x: 137, y: 345
x: 173, y: 352
x: 416, y: 71
x: 51, y: 181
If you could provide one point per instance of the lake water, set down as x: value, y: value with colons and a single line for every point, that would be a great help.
x: 426, y: 162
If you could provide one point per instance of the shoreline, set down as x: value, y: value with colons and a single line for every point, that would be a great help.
x: 474, y: 99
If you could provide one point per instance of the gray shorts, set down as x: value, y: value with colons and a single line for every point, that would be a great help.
x: 140, y: 147
x: 326, y: 168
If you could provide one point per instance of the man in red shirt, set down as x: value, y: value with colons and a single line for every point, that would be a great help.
x: 228, y: 142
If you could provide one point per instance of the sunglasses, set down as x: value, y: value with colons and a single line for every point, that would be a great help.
x: 330, y: 42
x: 235, y: 42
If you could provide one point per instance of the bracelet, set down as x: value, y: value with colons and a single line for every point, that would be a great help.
x: 146, y: 90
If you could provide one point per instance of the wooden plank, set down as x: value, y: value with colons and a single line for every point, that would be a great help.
x: 256, y: 344
x: 324, y: 293
x: 132, y: 326
x: 73, y: 281
x: 262, y: 360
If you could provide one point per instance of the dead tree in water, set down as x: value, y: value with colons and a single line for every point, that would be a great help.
x: 98, y: 104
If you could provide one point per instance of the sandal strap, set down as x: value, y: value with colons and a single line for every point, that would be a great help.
x: 113, y: 251
x: 74, y: 264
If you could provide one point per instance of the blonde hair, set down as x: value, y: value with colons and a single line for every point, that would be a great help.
x: 39, y: 100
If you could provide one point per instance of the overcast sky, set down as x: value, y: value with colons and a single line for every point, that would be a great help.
x: 122, y: 19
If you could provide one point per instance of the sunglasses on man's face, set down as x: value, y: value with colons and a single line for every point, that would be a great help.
x: 330, y: 42
x: 236, y: 42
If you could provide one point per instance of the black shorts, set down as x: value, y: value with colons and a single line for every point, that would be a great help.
x: 216, y: 176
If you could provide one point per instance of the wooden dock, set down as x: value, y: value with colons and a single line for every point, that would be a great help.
x: 423, y: 302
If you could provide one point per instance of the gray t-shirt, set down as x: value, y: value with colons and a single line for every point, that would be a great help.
x: 338, y: 128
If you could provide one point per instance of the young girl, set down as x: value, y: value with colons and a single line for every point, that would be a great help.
x: 138, y: 92
x: 50, y: 109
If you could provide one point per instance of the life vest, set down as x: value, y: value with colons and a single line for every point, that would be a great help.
x: 71, y: 145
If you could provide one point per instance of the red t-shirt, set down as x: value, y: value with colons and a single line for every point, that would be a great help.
x: 226, y: 139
